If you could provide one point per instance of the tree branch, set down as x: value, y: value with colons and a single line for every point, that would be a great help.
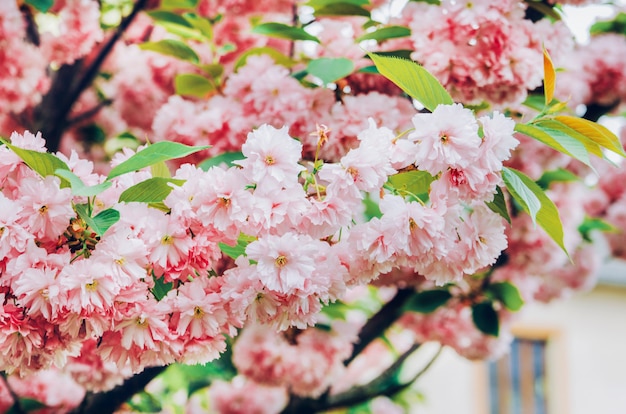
x: 17, y: 406
x: 386, y: 384
x: 382, y: 320
x: 109, y: 401
x: 52, y: 113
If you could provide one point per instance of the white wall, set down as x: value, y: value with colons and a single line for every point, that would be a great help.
x: 588, y: 363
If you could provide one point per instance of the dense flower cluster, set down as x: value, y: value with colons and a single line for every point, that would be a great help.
x: 304, y: 249
x: 337, y: 183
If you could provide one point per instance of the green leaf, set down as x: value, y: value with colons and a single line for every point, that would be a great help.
x: 42, y: 163
x: 101, y: 222
x: 191, y: 84
x: 507, y: 294
x: 557, y: 140
x: 520, y: 191
x: 144, y: 402
x: 427, y: 301
x: 224, y: 158
x: 595, y: 132
x: 413, y: 79
x: 413, y: 182
x: 559, y: 175
x: 178, y: 4
x: 330, y: 70
x: 26, y: 405
x: 169, y: 17
x: 617, y: 25
x: 316, y: 4
x: 548, y: 215
x: 41, y: 5
x: 279, y: 58
x: 157, y: 152
x: 389, y: 32
x: 160, y: 169
x: 152, y: 190
x: 161, y: 288
x: 78, y: 187
x: 486, y: 318
x: 202, y: 24
x: 560, y: 131
x: 238, y: 249
x: 283, y: 31
x: 341, y: 9
x: 498, y: 205
x: 172, y: 47
x: 371, y: 208
x: 591, y: 224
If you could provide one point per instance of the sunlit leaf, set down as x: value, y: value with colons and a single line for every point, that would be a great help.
x: 413, y: 79
x: 78, y: 187
x: 224, y: 158
x: 152, y: 190
x: 101, y: 222
x: 329, y: 70
x: 191, y: 84
x: 594, y: 131
x: 42, y: 163
x: 520, y: 191
x: 202, y: 24
x: 529, y: 194
x: 178, y: 4
x: 557, y: 139
x: 279, y: 58
x: 157, y: 152
x: 414, y: 182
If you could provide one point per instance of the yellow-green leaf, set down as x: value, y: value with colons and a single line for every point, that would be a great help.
x: 190, y: 84
x: 153, y: 154
x: 556, y: 139
x: 152, y: 190
x: 413, y: 79
x: 42, y: 163
x: 172, y: 47
x: 595, y: 132
x: 279, y: 58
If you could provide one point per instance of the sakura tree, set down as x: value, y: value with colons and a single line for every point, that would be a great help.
x: 244, y: 206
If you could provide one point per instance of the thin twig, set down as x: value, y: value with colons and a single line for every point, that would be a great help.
x: 17, y: 405
x: 89, y: 113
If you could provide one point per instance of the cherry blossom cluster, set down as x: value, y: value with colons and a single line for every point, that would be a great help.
x: 303, y: 249
x: 482, y: 50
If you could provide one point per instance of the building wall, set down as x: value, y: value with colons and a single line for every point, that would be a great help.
x: 586, y: 360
